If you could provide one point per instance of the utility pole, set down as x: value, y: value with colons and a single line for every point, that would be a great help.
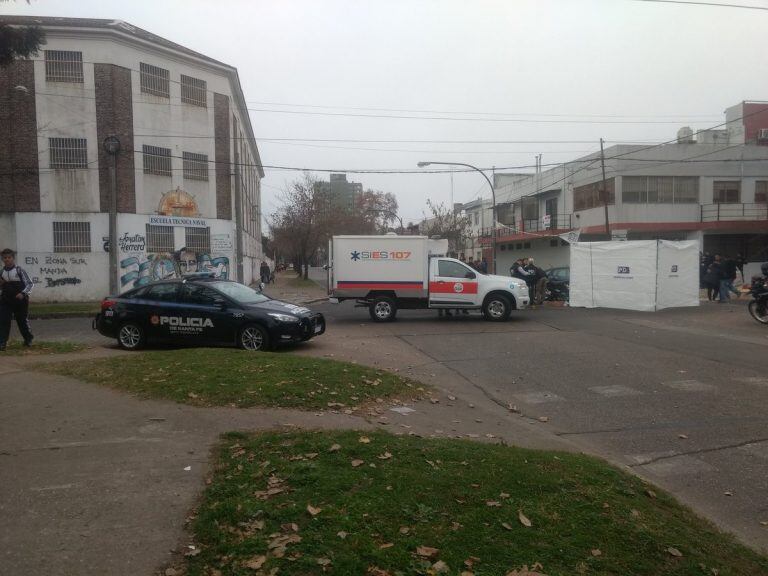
x: 112, y: 147
x: 604, y: 191
x: 238, y: 218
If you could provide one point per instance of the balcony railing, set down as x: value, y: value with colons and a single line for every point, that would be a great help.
x: 733, y: 212
x: 558, y: 222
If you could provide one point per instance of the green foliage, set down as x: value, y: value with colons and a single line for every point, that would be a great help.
x: 19, y: 42
x: 226, y: 377
x: 460, y: 497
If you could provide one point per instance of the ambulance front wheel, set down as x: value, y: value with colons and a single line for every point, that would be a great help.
x: 383, y: 309
x: 497, y: 308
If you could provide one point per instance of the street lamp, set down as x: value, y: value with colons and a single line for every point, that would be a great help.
x: 389, y: 212
x: 112, y: 147
x: 493, y: 200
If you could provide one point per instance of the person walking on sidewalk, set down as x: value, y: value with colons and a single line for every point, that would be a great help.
x: 15, y: 287
x: 727, y: 276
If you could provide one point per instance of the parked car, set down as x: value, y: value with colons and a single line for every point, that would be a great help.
x: 204, y: 310
x: 558, y: 283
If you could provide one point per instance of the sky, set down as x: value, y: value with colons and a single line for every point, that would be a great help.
x: 362, y: 85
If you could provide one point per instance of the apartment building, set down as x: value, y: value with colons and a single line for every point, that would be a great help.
x: 710, y: 186
x: 187, y: 173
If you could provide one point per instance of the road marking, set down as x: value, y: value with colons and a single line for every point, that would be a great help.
x: 47, y: 488
x: 690, y: 386
x: 539, y: 397
x: 615, y: 390
x: 678, y: 466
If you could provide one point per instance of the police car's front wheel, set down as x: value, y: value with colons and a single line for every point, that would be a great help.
x: 131, y: 336
x: 254, y: 338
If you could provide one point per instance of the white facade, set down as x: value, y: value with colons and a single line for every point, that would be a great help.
x: 69, y: 110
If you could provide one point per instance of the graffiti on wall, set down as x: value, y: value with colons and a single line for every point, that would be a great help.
x: 54, y: 270
x: 142, y: 269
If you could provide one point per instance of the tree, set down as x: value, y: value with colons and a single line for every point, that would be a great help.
x: 19, y: 42
x: 298, y: 225
x: 445, y: 223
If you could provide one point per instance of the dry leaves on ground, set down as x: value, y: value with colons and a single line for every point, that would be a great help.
x: 313, y: 511
x: 524, y: 519
x: 427, y: 551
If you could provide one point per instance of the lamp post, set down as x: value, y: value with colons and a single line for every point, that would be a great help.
x: 112, y: 147
x: 390, y: 213
x: 493, y: 200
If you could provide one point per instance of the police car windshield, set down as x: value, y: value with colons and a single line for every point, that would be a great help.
x: 239, y: 292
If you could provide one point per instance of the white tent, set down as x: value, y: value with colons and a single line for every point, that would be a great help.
x: 644, y: 275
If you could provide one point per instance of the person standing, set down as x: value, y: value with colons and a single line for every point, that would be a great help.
x: 727, y: 276
x: 483, y: 269
x: 264, y: 272
x: 15, y: 287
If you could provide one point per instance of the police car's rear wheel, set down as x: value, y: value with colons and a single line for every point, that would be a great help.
x: 383, y: 309
x: 496, y: 308
x: 131, y: 336
x: 254, y: 338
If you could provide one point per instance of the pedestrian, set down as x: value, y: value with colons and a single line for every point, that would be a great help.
x: 483, y: 266
x: 264, y: 272
x: 712, y: 281
x: 539, y: 282
x: 15, y: 287
x: 727, y: 276
x: 740, y: 261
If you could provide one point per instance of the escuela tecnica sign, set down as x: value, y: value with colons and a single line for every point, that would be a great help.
x: 178, y: 221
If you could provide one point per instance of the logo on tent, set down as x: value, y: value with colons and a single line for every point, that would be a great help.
x: 623, y: 270
x: 674, y: 268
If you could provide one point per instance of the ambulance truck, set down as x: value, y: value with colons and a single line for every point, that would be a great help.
x: 388, y: 273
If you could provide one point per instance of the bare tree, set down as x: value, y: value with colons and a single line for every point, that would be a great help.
x: 445, y: 223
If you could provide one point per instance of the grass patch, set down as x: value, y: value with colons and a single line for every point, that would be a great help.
x: 223, y: 377
x: 16, y: 348
x: 63, y: 308
x: 300, y: 282
x: 459, y: 497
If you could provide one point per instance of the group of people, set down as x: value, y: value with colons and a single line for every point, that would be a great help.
x: 717, y: 275
x: 526, y: 270
x: 479, y: 265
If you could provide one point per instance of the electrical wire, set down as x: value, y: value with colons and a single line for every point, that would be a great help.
x: 714, y: 4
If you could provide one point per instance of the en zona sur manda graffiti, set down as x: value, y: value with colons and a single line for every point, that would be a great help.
x: 138, y: 267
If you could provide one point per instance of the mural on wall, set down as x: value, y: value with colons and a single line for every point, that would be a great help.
x: 145, y: 268
x: 177, y: 203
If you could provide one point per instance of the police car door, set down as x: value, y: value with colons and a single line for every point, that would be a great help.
x: 207, y: 316
x: 452, y: 284
x: 161, y: 305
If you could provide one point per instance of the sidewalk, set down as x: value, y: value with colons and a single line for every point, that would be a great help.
x: 289, y: 287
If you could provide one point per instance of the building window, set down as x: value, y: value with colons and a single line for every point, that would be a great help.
x: 660, y: 189
x: 63, y: 66
x: 726, y: 192
x: 159, y: 239
x: 553, y: 243
x: 155, y: 80
x: 590, y: 196
x: 526, y: 245
x: 503, y: 247
x: 195, y: 166
x: 761, y: 191
x: 71, y: 236
x: 197, y: 239
x: 157, y: 160
x: 68, y: 152
x: 193, y: 91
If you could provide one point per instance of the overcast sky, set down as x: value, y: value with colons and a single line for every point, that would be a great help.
x: 560, y: 70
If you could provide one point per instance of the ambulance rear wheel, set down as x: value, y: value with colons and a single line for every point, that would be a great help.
x: 383, y: 309
x: 497, y: 308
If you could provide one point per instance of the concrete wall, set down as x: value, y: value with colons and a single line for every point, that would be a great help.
x: 545, y: 255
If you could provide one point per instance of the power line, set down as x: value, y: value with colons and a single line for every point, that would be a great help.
x: 714, y: 4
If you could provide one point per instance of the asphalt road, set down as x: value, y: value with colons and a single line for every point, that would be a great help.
x: 680, y: 396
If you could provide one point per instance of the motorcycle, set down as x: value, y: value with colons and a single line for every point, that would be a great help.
x: 758, y: 306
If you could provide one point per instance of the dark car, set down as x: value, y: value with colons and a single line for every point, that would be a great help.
x: 204, y: 310
x: 558, y: 283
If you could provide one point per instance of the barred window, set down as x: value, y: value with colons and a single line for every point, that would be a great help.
x: 761, y: 191
x: 726, y: 192
x: 198, y: 239
x: 193, y: 91
x: 195, y: 166
x: 155, y: 80
x: 63, y: 66
x: 660, y: 189
x: 157, y: 160
x: 68, y: 152
x: 159, y: 239
x: 71, y: 236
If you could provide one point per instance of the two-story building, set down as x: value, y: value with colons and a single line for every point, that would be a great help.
x: 710, y: 186
x: 187, y: 174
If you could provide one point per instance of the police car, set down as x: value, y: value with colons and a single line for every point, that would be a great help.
x: 204, y: 310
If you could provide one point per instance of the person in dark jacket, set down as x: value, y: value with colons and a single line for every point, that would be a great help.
x: 727, y: 276
x: 539, y: 283
x: 15, y: 287
x: 264, y: 272
x: 712, y: 281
